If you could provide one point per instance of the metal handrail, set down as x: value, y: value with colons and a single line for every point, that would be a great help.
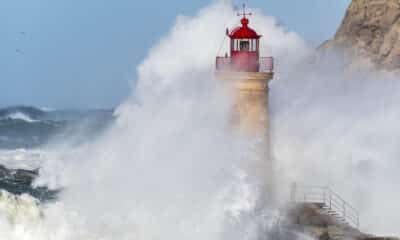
x: 329, y: 198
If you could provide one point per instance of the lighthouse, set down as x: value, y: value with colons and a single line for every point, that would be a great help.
x: 248, y: 74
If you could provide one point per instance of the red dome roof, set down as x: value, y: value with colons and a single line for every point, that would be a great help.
x: 244, y: 31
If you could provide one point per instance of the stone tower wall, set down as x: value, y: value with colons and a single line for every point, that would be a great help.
x: 250, y: 119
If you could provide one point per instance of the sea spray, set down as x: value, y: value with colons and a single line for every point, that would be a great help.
x: 335, y: 126
x: 170, y: 166
x: 22, y: 209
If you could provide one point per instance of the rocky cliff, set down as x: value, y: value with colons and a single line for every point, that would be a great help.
x: 370, y: 32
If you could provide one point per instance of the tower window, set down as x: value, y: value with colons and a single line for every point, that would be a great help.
x: 244, y: 46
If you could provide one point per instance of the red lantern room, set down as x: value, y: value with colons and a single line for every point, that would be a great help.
x: 244, y: 50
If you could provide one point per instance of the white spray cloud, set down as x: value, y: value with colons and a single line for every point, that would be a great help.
x: 337, y: 128
x: 194, y: 42
x: 170, y: 167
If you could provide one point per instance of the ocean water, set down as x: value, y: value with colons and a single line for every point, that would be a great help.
x: 26, y: 135
x: 38, y: 166
x: 27, y: 131
x: 165, y: 163
x: 29, y: 127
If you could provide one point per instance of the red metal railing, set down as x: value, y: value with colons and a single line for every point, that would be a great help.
x: 266, y: 64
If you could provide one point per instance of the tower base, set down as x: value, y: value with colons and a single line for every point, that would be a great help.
x: 250, y: 119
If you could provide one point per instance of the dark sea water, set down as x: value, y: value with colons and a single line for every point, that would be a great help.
x: 29, y: 127
x: 24, y: 128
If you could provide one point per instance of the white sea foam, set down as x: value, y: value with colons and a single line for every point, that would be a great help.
x: 22, y: 158
x: 170, y: 169
x: 19, y: 116
x: 339, y: 129
x: 47, y: 109
x: 19, y: 209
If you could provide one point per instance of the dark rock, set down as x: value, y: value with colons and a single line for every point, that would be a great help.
x: 19, y: 181
x: 311, y: 220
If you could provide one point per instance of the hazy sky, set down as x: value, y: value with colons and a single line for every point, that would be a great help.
x: 83, y: 54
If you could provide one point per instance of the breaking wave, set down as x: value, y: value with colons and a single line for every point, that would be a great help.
x: 19, y: 116
x: 30, y: 127
x: 169, y: 167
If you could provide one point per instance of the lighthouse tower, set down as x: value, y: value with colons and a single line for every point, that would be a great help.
x: 248, y: 74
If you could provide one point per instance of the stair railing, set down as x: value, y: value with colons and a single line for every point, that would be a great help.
x: 329, y: 200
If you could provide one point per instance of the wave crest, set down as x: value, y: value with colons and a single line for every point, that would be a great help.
x: 20, y: 116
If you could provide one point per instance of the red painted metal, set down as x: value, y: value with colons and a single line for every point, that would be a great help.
x: 245, y: 61
x: 244, y: 50
x: 244, y: 31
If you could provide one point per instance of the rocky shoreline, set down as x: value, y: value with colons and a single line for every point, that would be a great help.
x: 310, y: 220
x: 20, y: 181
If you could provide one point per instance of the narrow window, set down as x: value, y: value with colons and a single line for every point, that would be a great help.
x: 244, y: 45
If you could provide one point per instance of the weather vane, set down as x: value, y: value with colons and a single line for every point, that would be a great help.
x: 244, y: 14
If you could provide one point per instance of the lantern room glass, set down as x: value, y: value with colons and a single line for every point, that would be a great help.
x: 244, y: 45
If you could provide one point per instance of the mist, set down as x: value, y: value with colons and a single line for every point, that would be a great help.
x: 171, y: 168
x: 335, y: 126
